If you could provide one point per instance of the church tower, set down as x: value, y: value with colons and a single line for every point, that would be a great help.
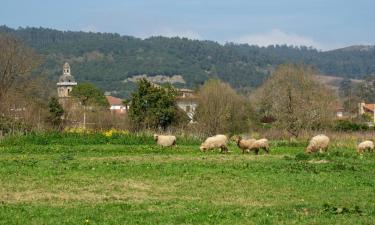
x: 66, y: 83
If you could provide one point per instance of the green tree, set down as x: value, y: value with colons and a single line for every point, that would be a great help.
x: 152, y: 106
x: 345, y: 87
x: 56, y: 112
x: 89, y: 95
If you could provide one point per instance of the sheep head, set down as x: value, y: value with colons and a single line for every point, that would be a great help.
x: 308, y: 149
x: 156, y: 137
x: 202, y: 148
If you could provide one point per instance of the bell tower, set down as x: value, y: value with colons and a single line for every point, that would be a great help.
x: 66, y: 83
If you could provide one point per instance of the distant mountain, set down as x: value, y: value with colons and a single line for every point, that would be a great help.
x: 361, y: 48
x: 113, y: 62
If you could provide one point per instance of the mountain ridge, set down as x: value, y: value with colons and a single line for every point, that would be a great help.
x: 107, y: 59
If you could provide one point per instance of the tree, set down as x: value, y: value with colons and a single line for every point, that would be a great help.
x: 221, y: 110
x: 16, y: 61
x: 153, y: 106
x: 56, y: 112
x: 366, y: 89
x: 89, y: 95
x: 295, y: 99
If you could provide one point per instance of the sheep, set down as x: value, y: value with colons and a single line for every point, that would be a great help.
x: 165, y: 140
x: 318, y: 143
x: 244, y: 144
x: 217, y: 141
x: 260, y: 144
x: 365, y: 146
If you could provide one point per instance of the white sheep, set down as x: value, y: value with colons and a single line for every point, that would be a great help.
x: 244, y: 144
x: 165, y: 140
x: 260, y: 144
x: 318, y: 143
x: 365, y: 146
x: 217, y: 141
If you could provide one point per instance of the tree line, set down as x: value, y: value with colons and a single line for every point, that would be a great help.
x: 107, y: 59
x: 290, y: 99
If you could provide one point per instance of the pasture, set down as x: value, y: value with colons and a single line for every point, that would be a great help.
x: 108, y: 181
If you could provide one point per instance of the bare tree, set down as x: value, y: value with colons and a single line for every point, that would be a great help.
x: 221, y: 110
x: 16, y: 61
x: 295, y: 99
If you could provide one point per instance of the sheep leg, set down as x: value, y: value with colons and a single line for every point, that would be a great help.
x: 174, y: 143
x: 224, y: 149
x: 267, y: 150
x: 257, y: 151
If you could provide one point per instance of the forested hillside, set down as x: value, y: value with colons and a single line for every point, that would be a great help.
x: 108, y: 60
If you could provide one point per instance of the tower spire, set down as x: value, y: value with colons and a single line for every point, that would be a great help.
x: 66, y: 82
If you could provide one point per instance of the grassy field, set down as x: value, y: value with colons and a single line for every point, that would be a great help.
x: 55, y: 183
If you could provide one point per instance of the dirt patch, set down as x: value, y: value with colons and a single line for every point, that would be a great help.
x: 314, y: 161
x: 101, y: 191
x: 220, y: 158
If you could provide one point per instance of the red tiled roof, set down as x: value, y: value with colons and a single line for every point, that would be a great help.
x: 113, y: 100
x: 369, y: 107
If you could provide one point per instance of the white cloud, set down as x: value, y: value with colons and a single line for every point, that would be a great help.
x: 277, y: 36
x: 168, y: 32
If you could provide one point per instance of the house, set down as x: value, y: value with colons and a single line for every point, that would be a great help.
x: 187, y: 100
x: 339, y: 112
x: 116, y: 105
x: 365, y: 108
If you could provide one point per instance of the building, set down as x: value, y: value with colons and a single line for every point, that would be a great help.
x: 116, y: 105
x: 365, y: 108
x: 66, y: 83
x: 187, y: 100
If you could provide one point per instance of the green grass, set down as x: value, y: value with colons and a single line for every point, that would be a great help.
x: 144, y: 184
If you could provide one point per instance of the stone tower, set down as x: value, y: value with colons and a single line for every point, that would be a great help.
x: 66, y: 83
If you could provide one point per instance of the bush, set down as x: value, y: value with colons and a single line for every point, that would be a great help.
x: 346, y: 125
x: 9, y: 125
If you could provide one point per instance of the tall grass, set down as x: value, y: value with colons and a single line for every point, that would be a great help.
x: 96, y: 138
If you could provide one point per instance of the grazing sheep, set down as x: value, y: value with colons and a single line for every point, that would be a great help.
x: 244, y: 144
x: 165, y: 140
x: 318, y: 143
x: 260, y: 144
x: 217, y: 141
x: 365, y: 146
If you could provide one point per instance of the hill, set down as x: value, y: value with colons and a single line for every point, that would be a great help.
x: 114, y: 62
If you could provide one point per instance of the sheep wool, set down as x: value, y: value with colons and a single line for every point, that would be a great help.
x: 165, y: 140
x: 217, y: 141
x: 318, y: 143
x: 365, y: 146
x: 244, y: 144
x: 260, y: 144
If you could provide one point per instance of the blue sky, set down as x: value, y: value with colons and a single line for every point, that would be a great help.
x: 324, y: 24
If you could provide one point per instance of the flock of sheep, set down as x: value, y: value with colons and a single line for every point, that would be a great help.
x: 317, y: 143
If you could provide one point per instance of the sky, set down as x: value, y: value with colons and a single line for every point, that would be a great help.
x: 323, y: 24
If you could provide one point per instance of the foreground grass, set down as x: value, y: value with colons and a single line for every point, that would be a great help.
x: 144, y: 184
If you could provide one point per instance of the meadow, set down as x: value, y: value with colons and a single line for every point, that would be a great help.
x: 126, y: 179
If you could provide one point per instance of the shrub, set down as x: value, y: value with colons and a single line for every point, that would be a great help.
x: 346, y: 125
